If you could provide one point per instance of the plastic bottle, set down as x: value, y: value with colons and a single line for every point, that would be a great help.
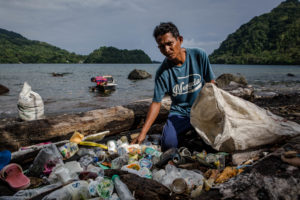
x: 170, y: 154
x: 122, y: 189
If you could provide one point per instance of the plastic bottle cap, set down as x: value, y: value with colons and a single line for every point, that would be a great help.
x: 114, y: 176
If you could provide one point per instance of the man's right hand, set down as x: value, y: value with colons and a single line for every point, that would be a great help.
x: 151, y: 116
x: 139, y: 139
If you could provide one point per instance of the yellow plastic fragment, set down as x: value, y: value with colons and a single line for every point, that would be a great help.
x: 76, y: 137
x: 227, y: 173
x: 93, y: 144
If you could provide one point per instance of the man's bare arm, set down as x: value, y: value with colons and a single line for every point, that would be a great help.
x: 151, y: 116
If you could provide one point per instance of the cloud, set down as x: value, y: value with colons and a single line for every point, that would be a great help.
x: 208, y: 46
x: 193, y: 43
x: 60, y: 5
x: 84, y: 25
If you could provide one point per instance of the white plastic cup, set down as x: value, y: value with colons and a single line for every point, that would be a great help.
x: 112, y: 146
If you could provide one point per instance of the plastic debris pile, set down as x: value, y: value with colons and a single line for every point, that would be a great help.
x: 76, y: 170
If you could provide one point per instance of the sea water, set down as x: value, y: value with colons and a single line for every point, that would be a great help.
x: 70, y: 93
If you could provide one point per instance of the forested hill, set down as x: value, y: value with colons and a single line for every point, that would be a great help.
x: 272, y: 38
x: 14, y: 48
x: 114, y: 55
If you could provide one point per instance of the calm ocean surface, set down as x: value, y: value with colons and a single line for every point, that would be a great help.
x: 70, y: 93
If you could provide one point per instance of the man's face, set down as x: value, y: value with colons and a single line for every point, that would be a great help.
x: 169, y: 46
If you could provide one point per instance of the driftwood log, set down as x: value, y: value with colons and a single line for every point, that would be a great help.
x: 115, y: 119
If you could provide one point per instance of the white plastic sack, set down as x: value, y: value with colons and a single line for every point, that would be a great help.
x: 229, y: 123
x: 30, y: 104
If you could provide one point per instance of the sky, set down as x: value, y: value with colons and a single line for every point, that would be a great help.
x: 82, y: 26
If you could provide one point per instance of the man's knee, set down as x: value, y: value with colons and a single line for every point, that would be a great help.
x: 167, y: 143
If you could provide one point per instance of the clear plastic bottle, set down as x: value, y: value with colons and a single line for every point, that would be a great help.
x: 122, y: 189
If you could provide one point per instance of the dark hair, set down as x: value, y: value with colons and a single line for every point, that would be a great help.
x: 93, y: 79
x: 165, y: 27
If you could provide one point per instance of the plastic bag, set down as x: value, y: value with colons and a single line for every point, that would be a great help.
x: 46, y: 159
x: 229, y: 123
x: 30, y: 104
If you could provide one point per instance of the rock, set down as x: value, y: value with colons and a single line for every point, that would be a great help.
x: 264, y: 94
x: 235, y: 85
x: 290, y: 74
x: 239, y: 90
x: 137, y: 74
x: 3, y: 89
x: 57, y: 74
x: 224, y: 80
x: 60, y: 74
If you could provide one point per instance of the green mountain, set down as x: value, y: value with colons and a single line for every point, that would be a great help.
x: 272, y: 38
x: 114, y: 55
x: 14, y: 48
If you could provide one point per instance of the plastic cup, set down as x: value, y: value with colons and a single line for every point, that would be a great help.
x: 112, y: 146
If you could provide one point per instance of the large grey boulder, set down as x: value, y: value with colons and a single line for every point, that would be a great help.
x: 3, y: 89
x: 224, y: 80
x: 235, y: 85
x: 137, y: 74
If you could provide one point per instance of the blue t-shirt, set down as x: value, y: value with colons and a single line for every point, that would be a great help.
x: 183, y: 83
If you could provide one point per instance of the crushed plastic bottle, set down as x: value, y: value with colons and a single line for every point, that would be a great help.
x: 158, y: 175
x: 75, y: 191
x: 85, y: 151
x: 85, y: 161
x: 122, y: 189
x: 98, y: 170
x: 118, y: 162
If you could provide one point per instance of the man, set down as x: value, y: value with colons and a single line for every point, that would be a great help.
x: 181, y: 75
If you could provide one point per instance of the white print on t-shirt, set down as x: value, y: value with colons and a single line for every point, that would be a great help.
x: 185, y: 87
